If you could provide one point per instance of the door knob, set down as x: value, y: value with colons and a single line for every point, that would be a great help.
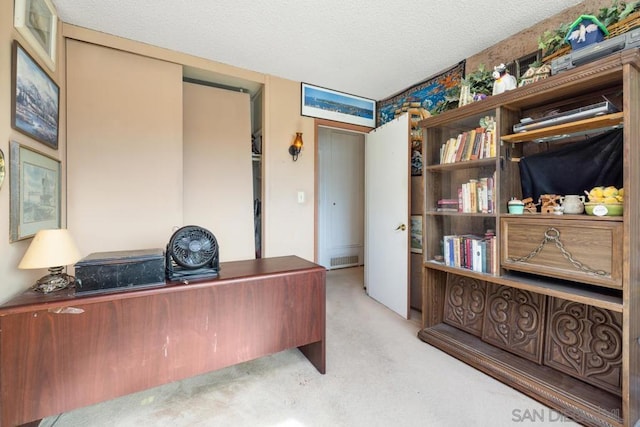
x: 401, y: 227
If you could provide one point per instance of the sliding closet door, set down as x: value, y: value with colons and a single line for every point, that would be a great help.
x: 124, y: 148
x: 218, y: 183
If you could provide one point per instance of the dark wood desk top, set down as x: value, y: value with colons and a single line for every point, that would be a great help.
x: 229, y: 272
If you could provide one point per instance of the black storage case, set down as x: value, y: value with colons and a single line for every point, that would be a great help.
x: 120, y: 270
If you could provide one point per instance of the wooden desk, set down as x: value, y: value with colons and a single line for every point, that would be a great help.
x: 59, y: 351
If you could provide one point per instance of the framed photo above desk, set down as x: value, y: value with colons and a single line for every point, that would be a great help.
x: 37, y: 22
x: 35, y: 99
x: 338, y: 106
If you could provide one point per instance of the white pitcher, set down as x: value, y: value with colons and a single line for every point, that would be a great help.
x: 572, y: 204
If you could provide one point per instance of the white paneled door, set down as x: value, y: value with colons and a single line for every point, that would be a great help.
x: 386, y: 269
x: 341, y: 198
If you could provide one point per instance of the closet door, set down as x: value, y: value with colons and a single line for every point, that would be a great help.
x: 124, y: 148
x: 218, y: 174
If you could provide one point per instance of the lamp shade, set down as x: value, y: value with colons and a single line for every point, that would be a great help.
x: 50, y: 248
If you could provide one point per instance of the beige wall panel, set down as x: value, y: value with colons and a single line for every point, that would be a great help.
x: 288, y: 225
x: 218, y: 182
x: 124, y: 149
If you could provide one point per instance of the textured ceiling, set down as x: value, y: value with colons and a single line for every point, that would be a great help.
x: 370, y: 48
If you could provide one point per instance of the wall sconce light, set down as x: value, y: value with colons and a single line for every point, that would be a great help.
x: 296, y: 146
x: 52, y: 249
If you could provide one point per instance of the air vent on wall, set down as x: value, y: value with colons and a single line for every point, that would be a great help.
x: 344, y: 261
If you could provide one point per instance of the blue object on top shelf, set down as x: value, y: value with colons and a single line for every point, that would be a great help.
x: 585, y: 30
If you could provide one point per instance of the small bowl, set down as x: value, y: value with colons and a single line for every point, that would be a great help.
x: 603, y: 209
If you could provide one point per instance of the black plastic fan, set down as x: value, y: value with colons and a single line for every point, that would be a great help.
x: 192, y: 252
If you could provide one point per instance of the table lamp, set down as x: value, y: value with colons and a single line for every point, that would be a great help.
x: 52, y: 249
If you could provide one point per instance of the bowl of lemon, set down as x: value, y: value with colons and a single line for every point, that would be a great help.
x: 605, y: 201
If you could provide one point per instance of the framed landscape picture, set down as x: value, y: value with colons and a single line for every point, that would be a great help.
x: 35, y: 99
x: 37, y: 22
x: 34, y: 192
x: 338, y: 106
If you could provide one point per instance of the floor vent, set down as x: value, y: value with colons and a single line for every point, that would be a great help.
x: 344, y: 261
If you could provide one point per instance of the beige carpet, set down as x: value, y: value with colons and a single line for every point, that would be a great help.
x: 378, y: 374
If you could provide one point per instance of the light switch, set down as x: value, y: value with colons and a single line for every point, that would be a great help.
x: 300, y: 197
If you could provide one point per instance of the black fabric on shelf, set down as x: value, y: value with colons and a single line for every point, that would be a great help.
x: 575, y: 168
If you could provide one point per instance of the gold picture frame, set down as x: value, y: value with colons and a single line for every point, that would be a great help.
x: 37, y: 22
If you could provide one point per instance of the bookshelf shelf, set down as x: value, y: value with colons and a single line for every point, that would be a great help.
x: 468, y: 164
x: 568, y: 129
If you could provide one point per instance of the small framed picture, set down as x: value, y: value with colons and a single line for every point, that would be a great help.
x: 34, y: 187
x: 416, y: 234
x: 37, y: 22
x: 338, y: 106
x: 35, y: 103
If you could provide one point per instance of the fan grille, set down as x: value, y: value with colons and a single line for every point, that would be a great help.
x: 193, y: 247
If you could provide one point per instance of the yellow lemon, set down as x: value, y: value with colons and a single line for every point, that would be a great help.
x: 596, y: 193
x: 610, y: 199
x: 610, y: 191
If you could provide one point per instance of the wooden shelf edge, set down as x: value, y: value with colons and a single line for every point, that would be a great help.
x: 566, y: 217
x: 576, y: 293
x: 595, y: 123
x: 480, y: 214
x: 586, y: 404
x: 466, y: 164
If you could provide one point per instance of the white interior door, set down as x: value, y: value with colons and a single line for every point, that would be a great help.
x: 341, y: 198
x: 386, y: 255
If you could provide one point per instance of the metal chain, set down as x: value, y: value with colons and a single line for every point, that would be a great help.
x: 553, y: 235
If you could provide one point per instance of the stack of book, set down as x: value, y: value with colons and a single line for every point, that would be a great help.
x: 448, y: 205
x: 472, y: 252
x: 479, y: 143
x: 477, y: 196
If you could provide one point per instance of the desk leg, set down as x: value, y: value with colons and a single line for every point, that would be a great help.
x: 315, y: 352
x: 35, y: 423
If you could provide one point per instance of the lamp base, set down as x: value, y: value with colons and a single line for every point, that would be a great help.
x: 54, y: 281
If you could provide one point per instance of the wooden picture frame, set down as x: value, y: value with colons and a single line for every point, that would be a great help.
x: 416, y: 234
x: 337, y: 106
x: 35, y: 99
x: 34, y: 184
x: 37, y: 22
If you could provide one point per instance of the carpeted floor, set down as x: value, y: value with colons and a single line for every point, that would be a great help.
x: 378, y: 374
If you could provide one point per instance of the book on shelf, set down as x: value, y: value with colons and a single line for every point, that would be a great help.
x: 471, y: 135
x: 461, y: 145
x: 475, y: 150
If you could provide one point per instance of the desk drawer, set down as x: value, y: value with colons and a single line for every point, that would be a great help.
x: 579, y: 250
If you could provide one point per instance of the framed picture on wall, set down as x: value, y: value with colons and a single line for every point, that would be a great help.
x: 35, y: 99
x: 34, y: 187
x: 338, y: 106
x: 37, y: 22
x: 416, y: 234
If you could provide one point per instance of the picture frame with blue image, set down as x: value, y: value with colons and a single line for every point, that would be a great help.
x: 338, y: 106
x: 35, y: 99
